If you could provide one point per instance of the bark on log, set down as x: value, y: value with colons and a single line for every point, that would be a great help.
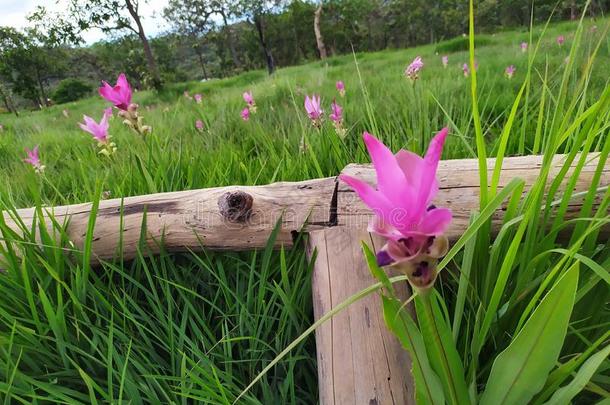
x: 359, y: 360
x: 187, y: 219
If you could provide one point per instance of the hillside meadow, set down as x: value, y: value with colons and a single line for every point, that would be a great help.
x: 200, y: 327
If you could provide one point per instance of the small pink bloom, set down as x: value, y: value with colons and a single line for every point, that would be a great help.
x: 510, y: 71
x: 108, y: 112
x: 199, y: 125
x: 560, y: 40
x: 401, y: 202
x: 119, y: 95
x: 248, y: 98
x: 412, y: 71
x: 523, y: 47
x: 33, y: 158
x: 98, y: 131
x: 445, y: 60
x: 340, y: 88
x: 465, y: 69
x: 198, y: 98
x: 337, y: 112
x: 245, y: 114
x: 312, y: 106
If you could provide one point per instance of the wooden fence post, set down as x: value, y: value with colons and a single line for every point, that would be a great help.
x: 359, y: 360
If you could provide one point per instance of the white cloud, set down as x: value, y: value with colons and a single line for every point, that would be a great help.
x: 13, y: 13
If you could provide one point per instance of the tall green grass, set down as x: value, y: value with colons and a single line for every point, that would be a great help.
x: 201, y: 327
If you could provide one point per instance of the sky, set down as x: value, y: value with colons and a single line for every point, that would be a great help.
x: 13, y: 13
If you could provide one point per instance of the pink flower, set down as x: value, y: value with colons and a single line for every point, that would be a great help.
x: 248, y: 98
x: 465, y: 69
x: 198, y: 98
x: 337, y: 112
x: 560, y: 40
x: 108, y: 112
x: 340, y: 88
x: 98, y: 131
x: 312, y: 106
x: 245, y: 114
x: 33, y: 158
x: 401, y: 203
x: 412, y: 71
x: 523, y: 47
x: 119, y: 95
x: 199, y: 125
x: 510, y: 71
x: 445, y: 60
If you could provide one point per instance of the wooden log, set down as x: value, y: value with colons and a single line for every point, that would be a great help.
x: 359, y: 360
x: 459, y: 188
x: 218, y: 218
x: 222, y: 218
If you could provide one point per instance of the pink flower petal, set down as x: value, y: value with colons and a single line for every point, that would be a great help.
x: 390, y: 177
x: 428, y: 174
x: 375, y: 200
x: 436, y: 221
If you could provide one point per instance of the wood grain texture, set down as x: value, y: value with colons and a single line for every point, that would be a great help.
x: 359, y: 360
x: 459, y: 188
x: 193, y: 219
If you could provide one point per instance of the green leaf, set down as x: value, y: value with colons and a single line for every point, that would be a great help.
x: 521, y: 370
x: 428, y: 388
x: 565, y: 394
x: 561, y: 373
x: 440, y: 346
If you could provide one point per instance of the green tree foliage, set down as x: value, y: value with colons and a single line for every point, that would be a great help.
x: 107, y: 15
x: 28, y: 63
x: 219, y: 38
x: 71, y: 90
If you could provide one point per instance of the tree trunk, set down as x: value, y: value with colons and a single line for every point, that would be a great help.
x: 230, y: 41
x: 150, y: 59
x: 201, y: 62
x: 43, y: 94
x: 316, y: 30
x: 258, y: 23
x: 8, y: 102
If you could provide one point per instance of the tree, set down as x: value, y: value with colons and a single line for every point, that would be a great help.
x: 255, y: 12
x: 191, y: 18
x: 107, y: 15
x: 27, y: 63
x: 316, y: 28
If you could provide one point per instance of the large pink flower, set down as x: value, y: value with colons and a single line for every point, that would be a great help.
x: 119, y: 95
x: 33, y: 158
x: 98, y: 131
x: 337, y: 112
x: 248, y: 97
x: 413, y: 69
x: 406, y: 185
x: 245, y: 114
x: 313, y: 108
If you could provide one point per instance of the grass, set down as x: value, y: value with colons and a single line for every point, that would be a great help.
x: 200, y: 327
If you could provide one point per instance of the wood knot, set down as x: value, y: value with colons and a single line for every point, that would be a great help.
x: 235, y: 206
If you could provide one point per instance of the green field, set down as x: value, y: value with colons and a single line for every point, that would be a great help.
x: 182, y: 327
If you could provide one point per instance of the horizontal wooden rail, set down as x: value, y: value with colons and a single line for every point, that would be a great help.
x: 241, y: 218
